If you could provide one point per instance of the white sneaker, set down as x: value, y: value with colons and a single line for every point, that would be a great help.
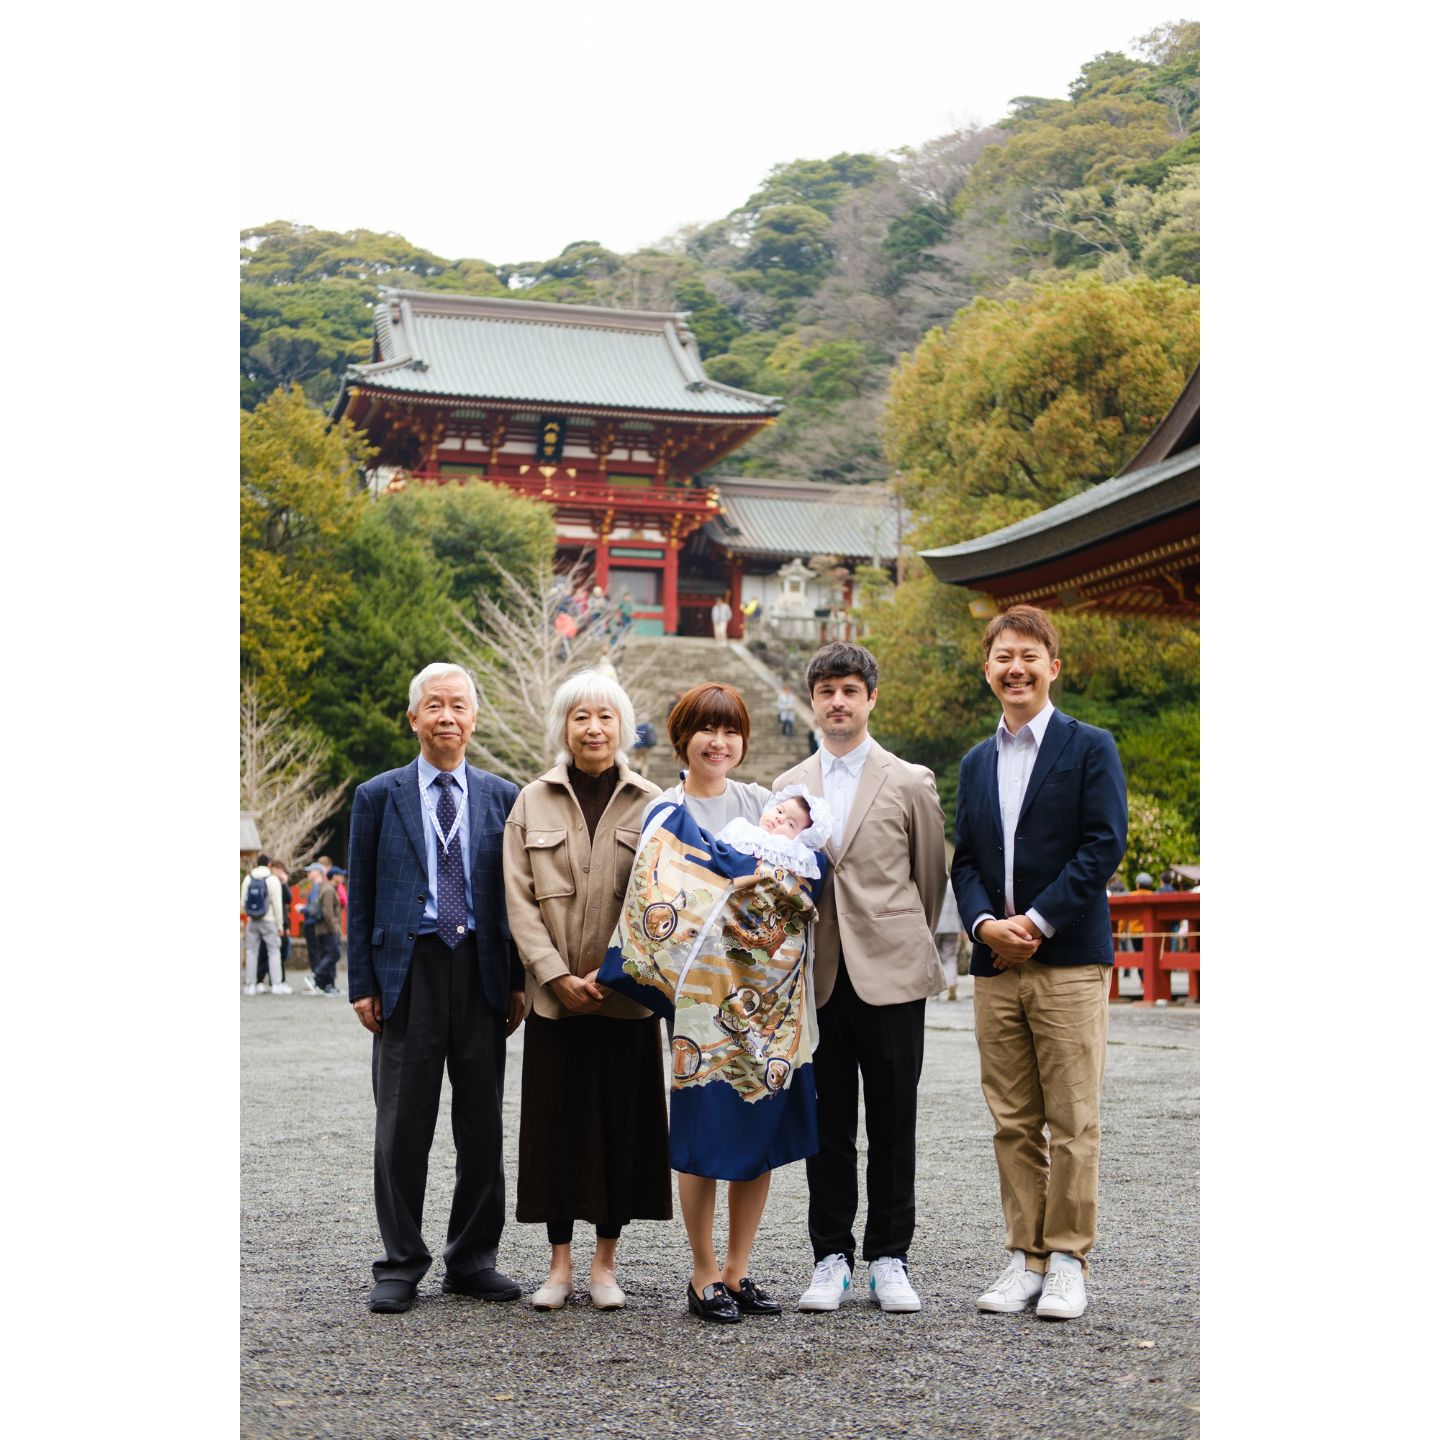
x: 1016, y: 1288
x: 890, y: 1285
x: 281, y: 989
x: 251, y: 990
x: 311, y: 988
x: 828, y: 1285
x: 1064, y: 1295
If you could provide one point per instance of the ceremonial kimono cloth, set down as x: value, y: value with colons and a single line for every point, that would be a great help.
x: 719, y: 941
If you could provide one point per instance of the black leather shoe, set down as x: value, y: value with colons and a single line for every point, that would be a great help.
x: 488, y: 1284
x: 717, y: 1304
x: 752, y: 1300
x: 392, y: 1297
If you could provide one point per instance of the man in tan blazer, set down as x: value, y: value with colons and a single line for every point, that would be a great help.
x: 875, y: 965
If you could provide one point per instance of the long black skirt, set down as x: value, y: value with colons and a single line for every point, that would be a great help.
x: 594, y: 1138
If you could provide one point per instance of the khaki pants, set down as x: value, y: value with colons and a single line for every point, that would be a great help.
x: 1041, y: 1031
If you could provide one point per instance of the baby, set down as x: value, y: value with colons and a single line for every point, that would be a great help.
x: 791, y: 830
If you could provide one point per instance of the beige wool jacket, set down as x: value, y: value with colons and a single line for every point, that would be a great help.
x: 882, y: 900
x: 563, y: 894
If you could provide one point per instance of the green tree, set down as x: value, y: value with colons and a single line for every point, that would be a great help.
x: 714, y: 325
x: 1025, y: 401
x: 476, y: 532
x: 399, y: 618
x: 1158, y: 837
x: 299, y: 502
x: 818, y: 184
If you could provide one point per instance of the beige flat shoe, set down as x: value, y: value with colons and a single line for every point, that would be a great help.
x: 551, y: 1297
x: 607, y: 1297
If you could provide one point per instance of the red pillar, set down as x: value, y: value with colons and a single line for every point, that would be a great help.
x: 602, y: 564
x: 670, y: 589
x: 737, y: 620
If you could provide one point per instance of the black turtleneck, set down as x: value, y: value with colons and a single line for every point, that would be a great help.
x: 593, y: 792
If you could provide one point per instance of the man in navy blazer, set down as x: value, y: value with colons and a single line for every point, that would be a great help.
x: 1040, y: 826
x: 436, y: 978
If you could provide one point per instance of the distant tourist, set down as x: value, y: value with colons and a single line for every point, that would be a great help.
x: 1042, y: 966
x: 286, y: 898
x: 875, y: 966
x: 785, y: 709
x: 436, y: 980
x: 720, y: 614
x: 325, y: 957
x: 260, y: 903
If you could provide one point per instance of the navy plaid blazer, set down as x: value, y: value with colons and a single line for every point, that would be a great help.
x: 1069, y: 838
x: 389, y: 882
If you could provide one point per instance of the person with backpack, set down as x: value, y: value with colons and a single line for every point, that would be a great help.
x: 260, y: 903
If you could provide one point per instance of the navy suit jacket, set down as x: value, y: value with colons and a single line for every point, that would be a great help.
x: 389, y: 881
x: 1069, y: 839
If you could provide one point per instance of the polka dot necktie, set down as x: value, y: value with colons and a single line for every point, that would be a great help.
x: 449, y: 869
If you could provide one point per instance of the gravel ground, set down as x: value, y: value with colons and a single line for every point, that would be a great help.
x: 315, y: 1362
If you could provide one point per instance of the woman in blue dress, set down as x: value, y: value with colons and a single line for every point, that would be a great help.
x: 742, y: 1097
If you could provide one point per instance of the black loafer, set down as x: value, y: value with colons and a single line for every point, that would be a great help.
x: 488, y: 1284
x: 752, y: 1300
x: 714, y: 1303
x: 392, y: 1297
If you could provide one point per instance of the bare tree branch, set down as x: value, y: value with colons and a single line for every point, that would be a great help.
x: 519, y: 660
x: 280, y: 767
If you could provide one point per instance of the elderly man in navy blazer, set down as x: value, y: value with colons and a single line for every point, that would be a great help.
x: 435, y: 977
x: 1040, y: 826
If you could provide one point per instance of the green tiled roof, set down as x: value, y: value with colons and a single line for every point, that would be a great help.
x: 1129, y: 500
x: 789, y: 518
x: 431, y: 343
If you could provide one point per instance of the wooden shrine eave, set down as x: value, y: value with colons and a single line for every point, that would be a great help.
x: 1127, y: 544
x: 361, y: 400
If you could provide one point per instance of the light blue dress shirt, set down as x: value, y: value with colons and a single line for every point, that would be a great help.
x: 429, y: 794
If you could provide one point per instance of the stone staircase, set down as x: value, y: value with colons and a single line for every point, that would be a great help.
x: 654, y: 667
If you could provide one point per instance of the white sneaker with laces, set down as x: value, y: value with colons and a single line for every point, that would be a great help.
x: 1016, y: 1288
x: 281, y: 989
x: 890, y: 1285
x: 251, y: 990
x: 1063, y: 1297
x: 828, y: 1286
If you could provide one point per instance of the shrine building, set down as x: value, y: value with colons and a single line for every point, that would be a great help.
x: 605, y: 415
x: 1129, y: 545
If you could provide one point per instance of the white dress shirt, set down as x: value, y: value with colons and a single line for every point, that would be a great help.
x: 1014, y: 764
x: 841, y: 777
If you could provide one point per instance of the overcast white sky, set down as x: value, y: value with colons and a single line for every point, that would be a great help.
x: 505, y: 133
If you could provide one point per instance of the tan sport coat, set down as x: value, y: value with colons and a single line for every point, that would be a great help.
x: 563, y: 894
x: 882, y: 901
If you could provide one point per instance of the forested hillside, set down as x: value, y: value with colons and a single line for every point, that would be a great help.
x: 817, y: 283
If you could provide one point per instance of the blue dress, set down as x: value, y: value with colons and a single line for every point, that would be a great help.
x: 718, y: 940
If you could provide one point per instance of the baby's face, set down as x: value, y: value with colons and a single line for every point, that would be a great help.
x: 789, y: 817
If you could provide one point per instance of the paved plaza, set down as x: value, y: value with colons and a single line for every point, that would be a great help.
x: 315, y: 1362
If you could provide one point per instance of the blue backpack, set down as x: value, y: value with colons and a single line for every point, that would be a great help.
x: 257, y: 898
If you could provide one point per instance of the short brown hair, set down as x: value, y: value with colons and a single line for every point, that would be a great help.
x: 1024, y: 620
x: 704, y: 707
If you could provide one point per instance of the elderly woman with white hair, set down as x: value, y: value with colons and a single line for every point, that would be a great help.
x: 593, y: 1134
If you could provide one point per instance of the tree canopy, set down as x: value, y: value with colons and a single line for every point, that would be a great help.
x: 1025, y: 401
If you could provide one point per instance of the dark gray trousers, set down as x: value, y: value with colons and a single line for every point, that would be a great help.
x: 440, y: 1021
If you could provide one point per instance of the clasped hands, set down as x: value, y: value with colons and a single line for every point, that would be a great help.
x: 579, y: 993
x: 1012, y: 941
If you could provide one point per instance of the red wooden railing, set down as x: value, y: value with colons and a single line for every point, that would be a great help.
x: 1148, y: 918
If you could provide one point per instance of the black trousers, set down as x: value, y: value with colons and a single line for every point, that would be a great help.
x: 440, y: 1021
x: 883, y: 1046
x: 325, y: 957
